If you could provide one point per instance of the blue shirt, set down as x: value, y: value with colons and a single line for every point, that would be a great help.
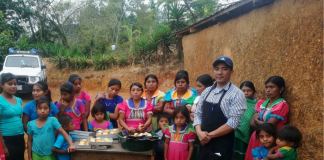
x: 233, y: 104
x: 110, y: 105
x: 62, y: 144
x: 30, y: 110
x: 43, y: 138
x: 10, y: 123
x: 259, y: 153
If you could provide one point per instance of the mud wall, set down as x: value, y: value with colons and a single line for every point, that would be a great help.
x: 284, y: 38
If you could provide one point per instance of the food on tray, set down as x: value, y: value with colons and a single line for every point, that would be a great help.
x: 141, y: 134
x: 98, y: 139
x: 114, y: 131
x: 106, y: 140
x: 83, y: 142
x: 136, y: 134
x: 99, y: 133
x: 92, y: 140
x: 107, y: 131
x: 147, y: 134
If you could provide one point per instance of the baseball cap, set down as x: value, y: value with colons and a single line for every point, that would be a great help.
x: 227, y: 60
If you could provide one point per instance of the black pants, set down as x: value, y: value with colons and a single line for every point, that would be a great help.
x: 16, y: 147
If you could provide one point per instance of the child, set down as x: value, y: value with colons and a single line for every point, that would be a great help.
x: 61, y: 145
x: 72, y: 106
x: 289, y: 138
x: 163, y: 120
x: 99, y: 123
x: 266, y: 134
x: 41, y: 133
x: 179, y: 136
x: 79, y: 94
x: 110, y: 100
x: 244, y: 132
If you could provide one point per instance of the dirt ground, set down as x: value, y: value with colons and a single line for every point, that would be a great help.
x: 95, y: 82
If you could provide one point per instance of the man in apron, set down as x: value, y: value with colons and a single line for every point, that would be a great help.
x: 219, y: 113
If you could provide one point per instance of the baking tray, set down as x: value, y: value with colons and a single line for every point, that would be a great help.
x: 77, y: 146
x: 83, y: 133
x: 102, y: 143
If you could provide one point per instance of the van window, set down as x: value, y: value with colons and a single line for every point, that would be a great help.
x: 20, y: 61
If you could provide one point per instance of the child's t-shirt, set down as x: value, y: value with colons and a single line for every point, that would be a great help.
x: 287, y: 153
x: 259, y: 153
x: 44, y: 137
x: 62, y: 144
x: 93, y: 125
x: 84, y: 97
x: 30, y: 110
x: 76, y: 119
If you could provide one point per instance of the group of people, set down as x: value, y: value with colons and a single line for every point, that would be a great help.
x: 216, y: 120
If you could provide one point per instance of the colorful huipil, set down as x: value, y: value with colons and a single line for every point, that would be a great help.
x: 279, y: 109
x: 179, y: 143
x: 157, y: 97
x: 134, y: 116
x: 187, y: 98
x: 75, y: 112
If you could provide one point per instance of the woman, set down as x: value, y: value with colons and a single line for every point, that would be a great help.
x: 202, y: 83
x: 153, y: 95
x: 79, y: 93
x: 274, y: 110
x: 11, y: 127
x: 189, y: 87
x: 110, y: 100
x: 40, y: 89
x: 243, y: 133
x: 136, y: 112
x: 180, y: 96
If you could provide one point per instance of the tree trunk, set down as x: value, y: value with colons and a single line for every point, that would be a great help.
x: 179, y: 48
x: 191, y: 13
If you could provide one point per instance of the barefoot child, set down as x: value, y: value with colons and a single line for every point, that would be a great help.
x: 163, y: 120
x: 61, y: 145
x: 179, y: 142
x: 289, y: 138
x: 99, y: 123
x: 41, y: 133
x: 72, y: 106
x: 266, y: 134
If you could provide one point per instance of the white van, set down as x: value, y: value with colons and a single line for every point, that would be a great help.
x: 27, y: 66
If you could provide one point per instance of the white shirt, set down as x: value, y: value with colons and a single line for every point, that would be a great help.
x: 113, y: 47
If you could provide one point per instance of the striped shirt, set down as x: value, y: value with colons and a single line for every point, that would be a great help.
x: 233, y: 104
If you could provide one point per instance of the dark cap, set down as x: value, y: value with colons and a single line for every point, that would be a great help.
x: 223, y: 59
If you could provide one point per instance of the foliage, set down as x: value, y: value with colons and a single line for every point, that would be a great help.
x: 101, y: 62
x: 123, y: 61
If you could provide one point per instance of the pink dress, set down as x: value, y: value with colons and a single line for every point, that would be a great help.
x: 75, y: 112
x: 84, y: 96
x: 279, y: 109
x: 179, y: 143
x: 93, y: 125
x: 134, y: 116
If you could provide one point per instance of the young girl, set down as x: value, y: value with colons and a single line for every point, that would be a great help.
x: 179, y: 136
x: 79, y: 94
x: 110, y: 100
x: 72, y: 106
x: 61, y: 145
x: 266, y: 134
x: 289, y: 138
x: 11, y: 127
x: 243, y: 133
x: 99, y: 123
x: 41, y: 133
x: 40, y: 89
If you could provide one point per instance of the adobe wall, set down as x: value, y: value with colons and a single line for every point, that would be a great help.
x: 284, y: 38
